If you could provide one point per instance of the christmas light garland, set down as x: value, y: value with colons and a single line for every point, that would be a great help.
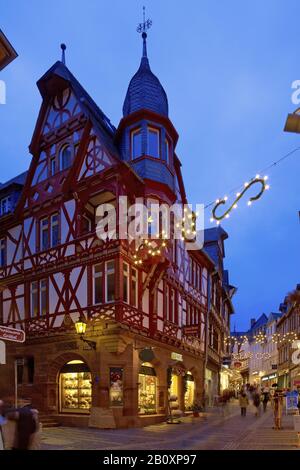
x: 220, y: 202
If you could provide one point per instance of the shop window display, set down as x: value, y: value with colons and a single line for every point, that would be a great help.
x: 147, y: 389
x: 116, y: 386
x: 190, y: 392
x: 75, y: 388
x: 174, y: 390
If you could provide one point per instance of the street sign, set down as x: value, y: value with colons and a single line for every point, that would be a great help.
x: 12, y: 334
x: 2, y: 352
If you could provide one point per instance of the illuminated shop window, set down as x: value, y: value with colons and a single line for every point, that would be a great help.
x: 75, y: 388
x: 189, y: 396
x: 147, y: 389
x: 174, y: 390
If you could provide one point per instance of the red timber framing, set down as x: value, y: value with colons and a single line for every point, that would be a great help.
x: 163, y: 300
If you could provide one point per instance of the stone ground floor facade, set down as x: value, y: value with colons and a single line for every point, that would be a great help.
x: 126, y: 381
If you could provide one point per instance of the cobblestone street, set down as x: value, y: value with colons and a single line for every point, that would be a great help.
x: 231, y: 432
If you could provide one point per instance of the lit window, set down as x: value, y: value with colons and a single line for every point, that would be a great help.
x: 153, y: 143
x: 65, y: 157
x: 136, y: 143
x: 2, y: 253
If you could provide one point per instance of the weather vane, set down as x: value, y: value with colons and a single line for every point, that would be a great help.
x: 143, y: 27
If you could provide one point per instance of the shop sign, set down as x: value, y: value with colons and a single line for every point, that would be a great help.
x: 67, y: 346
x: 191, y: 330
x: 12, y: 334
x: 292, y: 400
x: 237, y: 365
x: 296, y: 354
x: 146, y: 355
x: 176, y: 357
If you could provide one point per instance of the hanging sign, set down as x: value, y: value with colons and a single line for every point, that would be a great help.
x: 12, y: 334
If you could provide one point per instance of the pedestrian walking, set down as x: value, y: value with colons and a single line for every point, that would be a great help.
x: 244, y: 402
x: 26, y: 427
x: 256, y: 403
x: 277, y: 409
x: 266, y: 398
x: 2, y: 423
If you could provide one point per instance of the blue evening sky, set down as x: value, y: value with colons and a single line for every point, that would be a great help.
x: 227, y: 68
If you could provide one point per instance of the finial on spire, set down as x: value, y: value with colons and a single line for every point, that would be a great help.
x: 142, y: 28
x: 63, y: 55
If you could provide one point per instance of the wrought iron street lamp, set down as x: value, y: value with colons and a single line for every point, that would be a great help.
x: 80, y: 327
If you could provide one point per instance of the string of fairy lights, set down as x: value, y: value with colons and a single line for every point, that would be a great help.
x: 150, y: 248
x: 241, y: 189
x: 261, y: 338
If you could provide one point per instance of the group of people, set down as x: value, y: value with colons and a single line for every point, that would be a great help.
x: 262, y: 397
x: 18, y: 427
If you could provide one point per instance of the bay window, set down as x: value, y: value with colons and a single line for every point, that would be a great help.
x: 104, y: 282
x: 136, y: 143
x: 134, y: 287
x: 153, y: 142
x: 167, y: 151
x: 126, y: 282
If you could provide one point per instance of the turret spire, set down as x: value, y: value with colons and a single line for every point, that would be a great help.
x: 142, y: 28
x: 63, y: 55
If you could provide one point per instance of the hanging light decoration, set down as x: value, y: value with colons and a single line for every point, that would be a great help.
x: 262, y: 181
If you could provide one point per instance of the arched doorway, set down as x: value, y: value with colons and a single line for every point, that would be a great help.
x: 75, y: 387
x: 189, y: 396
x: 147, y: 396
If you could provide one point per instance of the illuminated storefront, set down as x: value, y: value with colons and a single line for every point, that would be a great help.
x: 147, y: 389
x: 75, y: 384
x: 189, y: 396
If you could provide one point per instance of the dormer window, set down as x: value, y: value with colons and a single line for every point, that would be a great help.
x: 5, y: 205
x: 65, y: 157
x: 136, y: 143
x: 153, y: 142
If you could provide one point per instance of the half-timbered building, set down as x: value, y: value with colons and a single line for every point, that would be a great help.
x: 152, y: 327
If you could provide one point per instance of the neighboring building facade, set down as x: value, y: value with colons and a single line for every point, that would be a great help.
x: 269, y: 352
x: 7, y: 52
x: 159, y: 325
x: 288, y: 328
x: 217, y: 375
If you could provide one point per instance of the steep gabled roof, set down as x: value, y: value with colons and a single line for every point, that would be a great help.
x: 59, y: 73
x: 17, y: 180
x: 261, y: 321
